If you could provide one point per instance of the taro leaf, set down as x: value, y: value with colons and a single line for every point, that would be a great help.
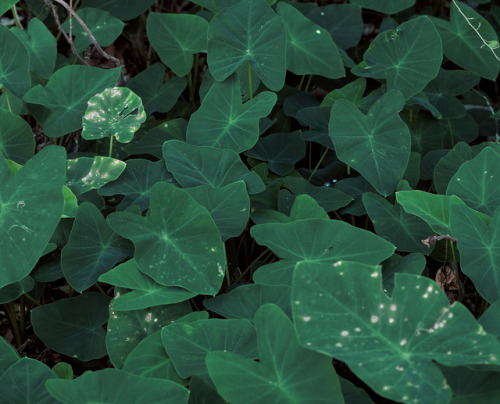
x: 328, y: 198
x: 92, y: 249
x: 115, y: 112
x: 74, y: 326
x: 145, y: 292
x: 11, y: 292
x: 463, y: 46
x: 385, y: 6
x: 123, y: 9
x: 342, y: 21
x: 285, y: 373
x: 433, y: 209
x: 248, y: 32
x: 85, y: 173
x: 178, y: 244
x: 187, y: 344
x: 202, y: 391
x: 149, y: 359
x: 8, y: 355
x: 31, y: 203
x: 310, y: 49
x: 389, y: 343
x: 352, y: 92
x: 136, y: 182
x: 409, y: 264
x: 115, y: 386
x: 245, y: 300
x: 223, y: 121
x: 127, y: 328
x: 448, y: 165
x: 322, y: 240
x: 63, y: 370
x: 14, y: 63
x: 104, y: 27
x: 355, y: 187
x: 353, y: 394
x: 229, y: 206
x: 152, y: 141
x: 66, y: 95
x: 489, y: 319
x: 280, y: 150
x: 176, y: 38
x: 464, y: 129
x: 377, y: 144
x: 477, y: 182
x: 426, y: 133
x: 391, y: 222
x: 24, y: 382
x: 215, y: 6
x: 156, y: 95
x: 6, y: 4
x: 41, y: 46
x: 16, y: 138
x: 479, y: 255
x: 408, y: 57
x: 306, y: 207
x: 202, y: 165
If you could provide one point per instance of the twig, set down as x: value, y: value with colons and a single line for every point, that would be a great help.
x: 432, y: 239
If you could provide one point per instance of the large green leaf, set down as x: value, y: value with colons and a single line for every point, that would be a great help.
x: 123, y: 9
x: 248, y: 32
x: 92, y: 249
x: 310, y: 49
x: 114, y: 386
x: 448, y: 165
x: 408, y: 57
x: 187, y: 344
x: 8, y: 355
x: 66, y: 95
x: 203, y: 165
x: 114, y: 112
x: 178, y: 244
x: 223, y: 121
x: 477, y: 182
x: 478, y: 246
x: 16, y: 138
x: 285, y: 373
x: 12, y: 291
x: 31, y: 203
x: 14, y: 63
x: 24, y: 382
x: 389, y: 343
x: 74, y: 326
x: 144, y: 291
x: 176, y: 37
x: 377, y: 144
x: 385, y: 6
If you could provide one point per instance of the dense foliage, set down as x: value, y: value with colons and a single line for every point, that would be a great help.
x: 267, y: 201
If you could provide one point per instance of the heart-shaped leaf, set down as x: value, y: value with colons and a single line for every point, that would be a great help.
x: 16, y: 138
x: 14, y: 63
x: 123, y: 9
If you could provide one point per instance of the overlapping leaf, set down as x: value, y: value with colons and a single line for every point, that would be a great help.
x: 14, y: 63
x: 16, y: 138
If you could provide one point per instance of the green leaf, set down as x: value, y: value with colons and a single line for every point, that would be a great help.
x: 6, y: 4
x: 14, y: 63
x: 408, y: 57
x: 306, y: 207
x: 409, y: 264
x: 12, y: 291
x: 113, y: 386
x: 391, y: 222
x: 136, y: 182
x: 223, y: 121
x: 285, y: 373
x: 248, y: 33
x: 477, y: 244
x: 115, y: 112
x: 385, y: 6
x: 310, y: 49
x: 463, y: 46
x: 178, y: 244
x: 123, y: 9
x: 85, y: 173
x: 202, y: 165
x: 8, y: 355
x: 31, y: 204
x: 187, y: 344
x: 104, y: 27
x: 16, y: 138
x: 92, y: 249
x: 448, y: 165
x: 24, y: 382
x: 156, y: 95
x: 144, y: 291
x: 389, y: 343
x: 229, y: 206
x: 41, y: 46
x: 127, y: 328
x: 66, y: 95
x: 477, y: 182
x: 176, y: 38
x: 73, y: 326
x: 377, y: 144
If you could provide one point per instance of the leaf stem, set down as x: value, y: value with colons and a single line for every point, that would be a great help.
x: 250, y: 89
x: 110, y: 145
x: 308, y: 83
x: 16, y: 17
x: 7, y: 98
x: 11, y: 316
x: 317, y: 165
x: 267, y: 250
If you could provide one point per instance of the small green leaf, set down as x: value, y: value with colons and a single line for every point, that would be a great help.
x: 16, y: 138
